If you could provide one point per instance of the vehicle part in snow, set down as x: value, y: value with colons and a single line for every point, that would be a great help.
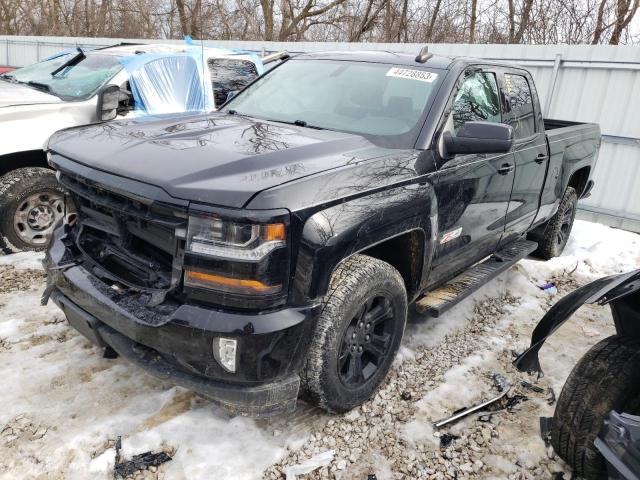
x: 621, y: 292
x: 546, y: 424
x: 358, y: 333
x: 531, y: 387
x: 406, y: 396
x: 556, y: 233
x: 606, y: 378
x: 514, y: 401
x: 503, y: 386
x: 31, y: 203
x: 139, y: 462
x: 438, y: 301
x: 446, y: 439
x: 318, y: 461
x: 619, y: 444
x: 550, y: 288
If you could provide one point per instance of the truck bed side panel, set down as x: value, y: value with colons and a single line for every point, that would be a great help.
x: 571, y: 148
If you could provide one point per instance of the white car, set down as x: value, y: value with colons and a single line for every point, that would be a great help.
x: 80, y: 87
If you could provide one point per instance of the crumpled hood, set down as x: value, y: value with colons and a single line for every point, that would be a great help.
x: 14, y: 94
x: 215, y: 158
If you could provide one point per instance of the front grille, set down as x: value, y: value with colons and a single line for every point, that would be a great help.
x: 127, y: 238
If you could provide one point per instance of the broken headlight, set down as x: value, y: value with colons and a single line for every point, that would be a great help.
x: 237, y: 262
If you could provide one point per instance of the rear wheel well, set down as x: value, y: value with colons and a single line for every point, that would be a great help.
x: 579, y: 180
x: 406, y: 254
x: 30, y: 158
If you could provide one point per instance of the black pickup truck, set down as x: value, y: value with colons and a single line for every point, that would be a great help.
x: 273, y: 248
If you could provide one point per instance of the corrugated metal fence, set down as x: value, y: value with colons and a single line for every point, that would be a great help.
x: 582, y: 82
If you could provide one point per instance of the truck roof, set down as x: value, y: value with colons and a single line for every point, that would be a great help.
x: 441, y: 62
x: 126, y: 49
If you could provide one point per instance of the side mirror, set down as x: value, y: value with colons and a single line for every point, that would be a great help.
x: 231, y: 94
x: 112, y: 100
x: 479, y: 137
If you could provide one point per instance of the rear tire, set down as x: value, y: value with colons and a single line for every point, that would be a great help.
x: 357, y: 335
x: 31, y: 203
x: 558, y: 229
x: 606, y: 378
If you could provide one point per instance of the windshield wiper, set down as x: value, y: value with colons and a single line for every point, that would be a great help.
x: 299, y: 123
x: 39, y: 86
x: 9, y: 78
x: 77, y: 58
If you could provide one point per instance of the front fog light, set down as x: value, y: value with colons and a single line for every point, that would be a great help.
x: 224, y: 351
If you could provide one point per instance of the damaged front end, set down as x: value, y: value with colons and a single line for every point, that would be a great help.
x: 620, y: 292
x: 133, y: 275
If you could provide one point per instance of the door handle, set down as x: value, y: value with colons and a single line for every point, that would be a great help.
x: 506, y: 168
x: 541, y: 158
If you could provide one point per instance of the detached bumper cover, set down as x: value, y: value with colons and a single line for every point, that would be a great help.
x: 179, y: 347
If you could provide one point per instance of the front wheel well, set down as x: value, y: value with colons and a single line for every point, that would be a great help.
x: 30, y: 158
x: 405, y: 253
x: 579, y: 180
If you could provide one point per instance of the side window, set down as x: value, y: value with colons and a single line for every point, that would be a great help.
x: 228, y: 75
x: 477, y: 100
x: 521, y: 116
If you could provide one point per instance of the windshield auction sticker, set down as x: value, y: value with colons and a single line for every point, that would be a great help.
x: 419, y: 75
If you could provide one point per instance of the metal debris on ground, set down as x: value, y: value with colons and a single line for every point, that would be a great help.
x: 447, y: 439
x: 138, y: 463
x: 372, y: 476
x: 503, y: 386
x: 552, y: 397
x: 515, y: 400
x: 550, y: 288
x: 532, y: 387
x: 545, y: 430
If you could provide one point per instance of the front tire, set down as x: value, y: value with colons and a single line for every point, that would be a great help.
x: 31, y: 203
x: 357, y: 335
x: 558, y: 228
x: 606, y: 378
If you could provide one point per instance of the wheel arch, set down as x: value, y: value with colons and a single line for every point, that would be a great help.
x: 15, y: 160
x: 400, y: 232
x: 578, y: 180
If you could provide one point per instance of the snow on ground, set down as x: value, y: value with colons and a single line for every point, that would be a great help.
x: 63, y: 404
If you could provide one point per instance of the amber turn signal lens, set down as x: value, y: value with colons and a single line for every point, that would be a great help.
x: 274, y: 231
x: 220, y: 282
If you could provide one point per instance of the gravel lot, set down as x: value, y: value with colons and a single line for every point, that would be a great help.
x: 64, y: 405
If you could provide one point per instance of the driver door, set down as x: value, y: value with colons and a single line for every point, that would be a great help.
x: 473, y: 191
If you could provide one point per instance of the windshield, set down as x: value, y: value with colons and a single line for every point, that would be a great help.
x: 366, y: 98
x: 79, y: 81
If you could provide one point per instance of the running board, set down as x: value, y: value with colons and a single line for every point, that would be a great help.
x: 438, y: 301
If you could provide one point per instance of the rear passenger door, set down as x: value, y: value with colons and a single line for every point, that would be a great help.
x: 530, y: 151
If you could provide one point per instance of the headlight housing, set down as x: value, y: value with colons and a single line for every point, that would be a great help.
x: 238, y: 262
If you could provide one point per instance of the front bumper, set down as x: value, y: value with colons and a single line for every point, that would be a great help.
x: 179, y: 347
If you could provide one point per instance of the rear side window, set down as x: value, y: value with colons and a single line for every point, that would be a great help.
x: 228, y: 75
x: 477, y: 100
x: 520, y: 102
